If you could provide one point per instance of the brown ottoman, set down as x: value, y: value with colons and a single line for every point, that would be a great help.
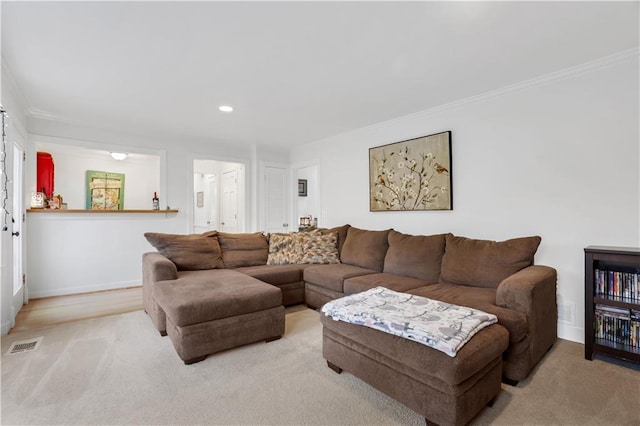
x: 443, y: 389
x: 208, y: 316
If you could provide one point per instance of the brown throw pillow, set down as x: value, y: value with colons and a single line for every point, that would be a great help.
x: 415, y: 256
x: 365, y: 248
x: 240, y: 249
x: 483, y: 263
x: 188, y: 252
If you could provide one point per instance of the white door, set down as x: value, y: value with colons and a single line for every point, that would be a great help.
x: 276, y: 199
x: 19, y: 294
x: 229, y: 207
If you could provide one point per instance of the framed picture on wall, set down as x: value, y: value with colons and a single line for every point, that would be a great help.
x: 302, y: 187
x: 200, y: 199
x: 411, y: 175
x: 105, y: 190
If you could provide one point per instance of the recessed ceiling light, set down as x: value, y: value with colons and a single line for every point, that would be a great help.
x: 118, y: 156
x: 226, y: 108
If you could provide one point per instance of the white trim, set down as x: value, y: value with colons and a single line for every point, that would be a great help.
x: 6, y: 326
x: 575, y: 334
x: 591, y: 66
x: 13, y: 86
x: 85, y: 289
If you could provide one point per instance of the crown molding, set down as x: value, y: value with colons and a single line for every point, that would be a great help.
x: 587, y: 67
x: 13, y: 86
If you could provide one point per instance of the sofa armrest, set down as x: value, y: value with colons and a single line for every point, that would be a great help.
x: 528, y: 290
x: 156, y: 267
x: 532, y: 291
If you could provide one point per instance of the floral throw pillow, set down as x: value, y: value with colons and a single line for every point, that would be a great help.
x: 303, y: 247
x: 320, y: 248
x: 284, y: 249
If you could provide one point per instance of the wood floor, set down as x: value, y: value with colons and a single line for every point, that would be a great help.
x: 51, y: 311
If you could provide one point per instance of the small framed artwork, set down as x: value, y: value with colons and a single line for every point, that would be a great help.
x: 302, y: 187
x: 105, y: 190
x: 200, y: 199
x: 411, y: 175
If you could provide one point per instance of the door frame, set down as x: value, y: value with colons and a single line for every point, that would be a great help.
x: 191, y: 157
x: 15, y: 137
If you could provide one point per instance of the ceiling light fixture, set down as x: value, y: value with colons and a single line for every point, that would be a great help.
x: 225, y: 108
x: 118, y: 156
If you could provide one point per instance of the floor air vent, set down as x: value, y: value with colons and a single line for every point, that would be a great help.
x: 24, y: 346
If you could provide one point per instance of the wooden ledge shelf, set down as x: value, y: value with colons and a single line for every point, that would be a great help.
x: 63, y: 211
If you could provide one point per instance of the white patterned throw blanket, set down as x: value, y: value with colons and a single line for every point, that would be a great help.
x: 439, y: 325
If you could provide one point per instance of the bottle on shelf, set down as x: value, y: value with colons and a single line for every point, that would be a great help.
x: 156, y: 201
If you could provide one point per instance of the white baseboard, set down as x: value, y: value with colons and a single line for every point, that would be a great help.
x: 38, y: 294
x: 575, y: 334
x: 6, y: 326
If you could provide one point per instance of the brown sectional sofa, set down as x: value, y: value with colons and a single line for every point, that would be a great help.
x: 189, y: 282
x: 496, y: 277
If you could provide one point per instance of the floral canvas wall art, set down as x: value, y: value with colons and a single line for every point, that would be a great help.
x: 411, y: 175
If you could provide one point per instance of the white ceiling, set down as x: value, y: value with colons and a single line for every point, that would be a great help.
x: 294, y: 72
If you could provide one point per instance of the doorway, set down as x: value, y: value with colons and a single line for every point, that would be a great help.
x: 219, y: 193
x: 308, y: 202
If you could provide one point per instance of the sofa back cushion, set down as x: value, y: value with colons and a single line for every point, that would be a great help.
x: 365, y: 248
x: 415, y: 256
x: 188, y: 252
x: 483, y: 263
x: 240, y: 249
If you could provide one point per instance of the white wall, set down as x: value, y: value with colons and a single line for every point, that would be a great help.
x: 555, y: 157
x: 75, y: 253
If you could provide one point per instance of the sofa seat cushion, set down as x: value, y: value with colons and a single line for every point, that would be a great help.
x: 390, y: 281
x: 365, y: 248
x: 275, y: 274
x: 484, y: 263
x: 479, y: 298
x: 332, y: 276
x: 415, y: 256
x: 196, y: 297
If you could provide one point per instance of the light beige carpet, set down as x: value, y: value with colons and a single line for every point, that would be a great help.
x: 118, y: 370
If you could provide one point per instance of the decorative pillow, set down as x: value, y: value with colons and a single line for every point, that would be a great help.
x: 342, y: 234
x: 365, y: 248
x: 284, y: 249
x: 240, y: 249
x: 188, y: 252
x: 483, y: 263
x: 415, y: 256
x: 320, y: 248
